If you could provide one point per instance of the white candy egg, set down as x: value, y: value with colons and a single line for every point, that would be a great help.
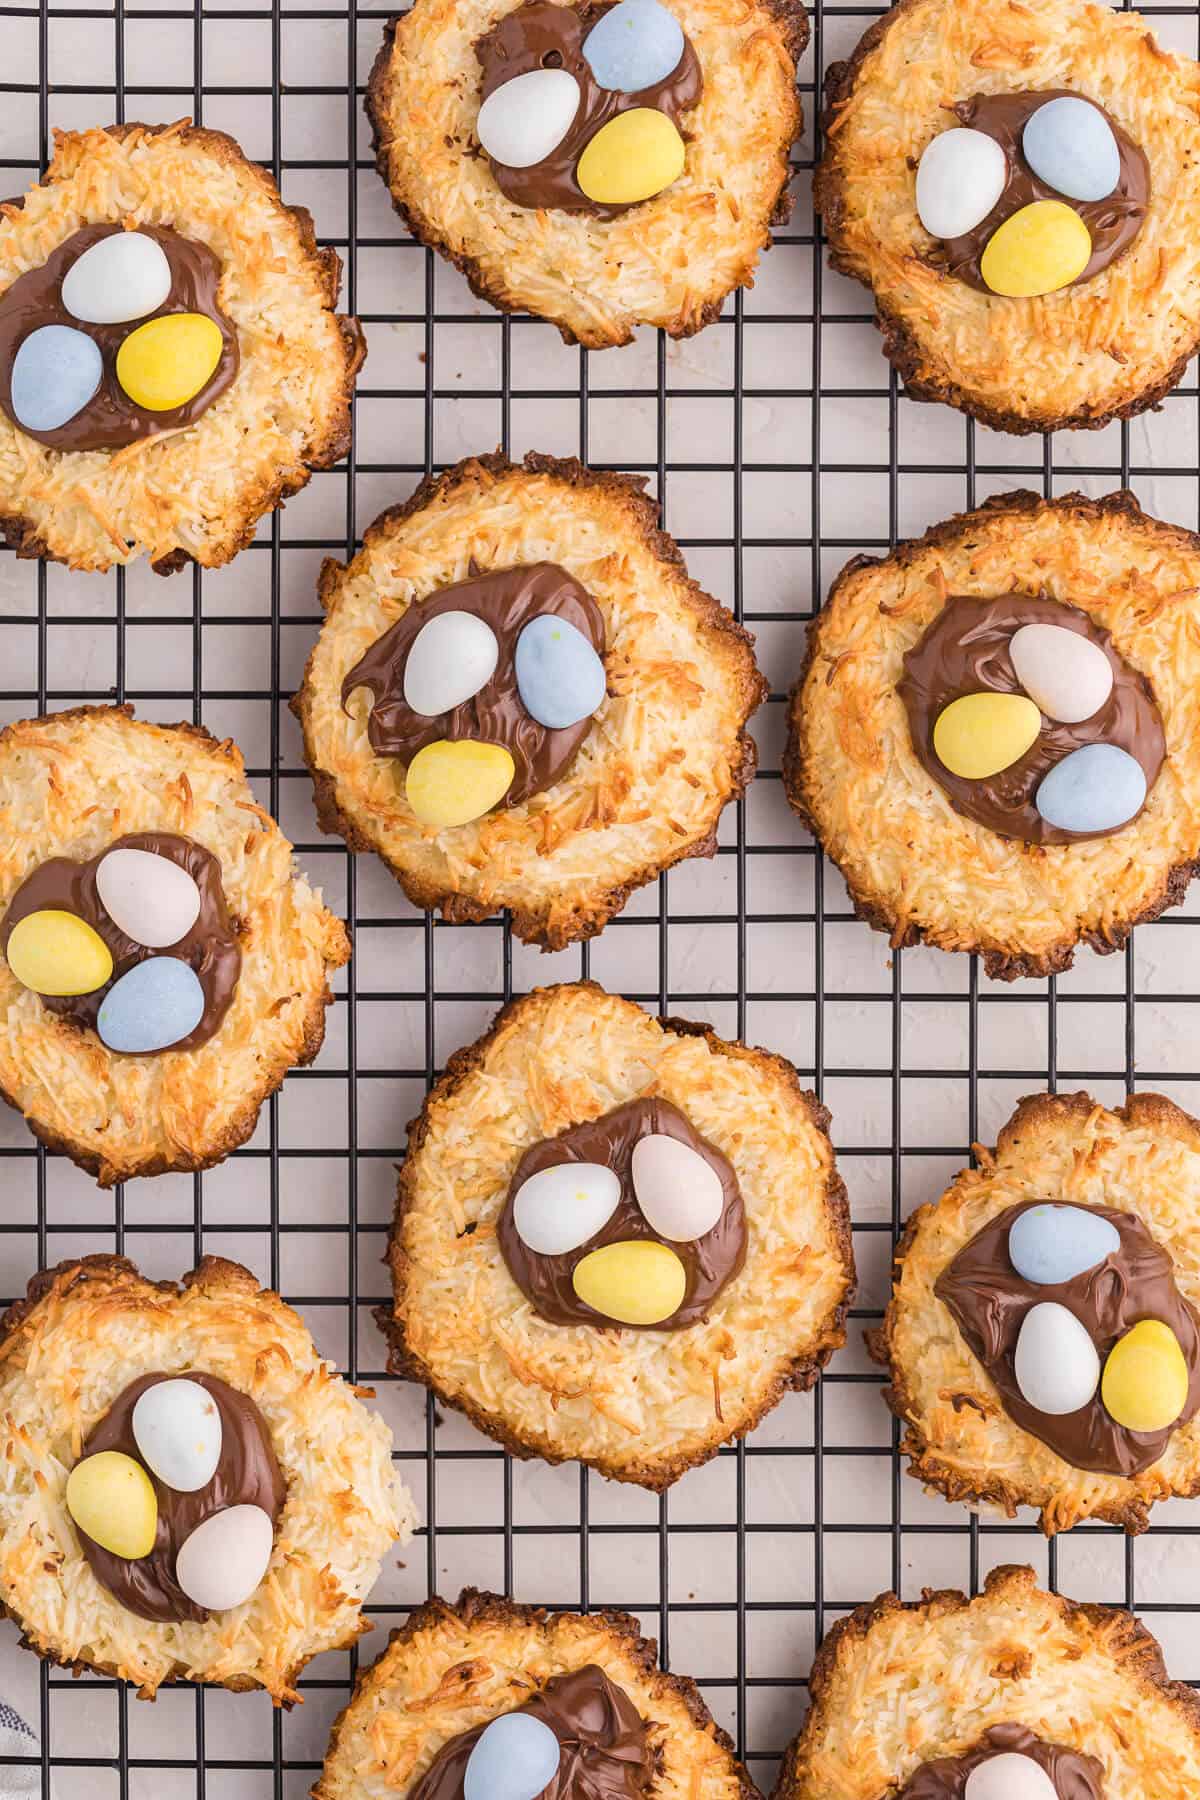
x: 959, y: 180
x: 1066, y: 675
x: 561, y: 1207
x: 452, y: 657
x: 125, y: 276
x: 679, y: 1193
x: 226, y: 1557
x: 1009, y: 1776
x: 524, y: 119
x: 516, y: 1757
x: 177, y: 1429
x: 1056, y: 1364
x: 148, y: 897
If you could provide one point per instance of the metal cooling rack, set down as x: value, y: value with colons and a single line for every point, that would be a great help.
x: 779, y: 446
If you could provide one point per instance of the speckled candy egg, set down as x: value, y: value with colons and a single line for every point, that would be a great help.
x: 177, y: 1429
x: 452, y: 657
x: 1009, y: 1776
x: 632, y: 158
x: 1056, y: 1363
x: 1065, y: 674
x: 959, y: 180
x: 452, y: 783
x: 634, y: 45
x: 977, y: 735
x: 154, y: 1005
x: 55, y: 373
x: 636, y: 1282
x: 1145, y: 1385
x: 111, y: 1498
x: 1049, y: 1244
x: 226, y: 1557
x: 1044, y: 247
x: 524, y: 119
x: 679, y: 1193
x: 53, y: 952
x: 148, y: 897
x: 125, y: 276
x: 559, y: 676
x: 1097, y: 788
x: 560, y: 1208
x: 1070, y: 144
x: 515, y: 1758
x: 166, y: 361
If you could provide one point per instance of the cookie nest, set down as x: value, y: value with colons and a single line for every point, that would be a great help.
x: 641, y: 1406
x: 670, y: 261
x: 196, y: 493
x: 85, y: 1331
x: 70, y: 784
x: 916, y: 867
x: 665, y: 752
x: 1104, y: 349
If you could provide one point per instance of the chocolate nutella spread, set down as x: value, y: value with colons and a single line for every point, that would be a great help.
x: 710, y: 1262
x: 110, y: 420
x: 605, y: 1753
x: 1075, y: 1776
x: 246, y: 1475
x: 543, y: 35
x: 1112, y: 223
x: 506, y: 599
x: 989, y: 1301
x: 965, y: 651
x: 210, y: 947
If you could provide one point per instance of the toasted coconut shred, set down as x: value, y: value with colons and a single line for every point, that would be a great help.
x: 197, y: 493
x: 69, y: 784
x: 89, y: 1329
x: 641, y: 1406
x: 896, y: 1686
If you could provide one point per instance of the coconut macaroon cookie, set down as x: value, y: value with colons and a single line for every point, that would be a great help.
x: 488, y: 1697
x: 601, y: 166
x: 162, y: 963
x: 171, y: 365
x: 1042, y: 1339
x: 1014, y: 1695
x: 1015, y: 185
x: 617, y: 1239
x: 996, y: 737
x: 191, y: 1490
x: 519, y: 699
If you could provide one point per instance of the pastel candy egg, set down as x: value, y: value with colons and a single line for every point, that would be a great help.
x: 977, y: 735
x: 633, y: 157
x: 1049, y: 1244
x: 1145, y: 1384
x: 1056, y: 1363
x: 1070, y: 144
x: 516, y: 1757
x: 1044, y: 247
x: 150, y: 898
x: 451, y: 658
x: 1009, y: 1776
x: 1067, y: 675
x: 111, y: 1498
x: 453, y: 783
x: 1096, y: 788
x: 58, y: 953
x: 680, y: 1194
x: 54, y: 374
x: 959, y: 180
x: 226, y: 1557
x: 124, y: 276
x: 166, y: 361
x: 635, y: 1282
x: 524, y: 119
x: 177, y: 1429
x: 634, y: 45
x: 154, y: 1005
x: 560, y: 1208
x: 559, y: 676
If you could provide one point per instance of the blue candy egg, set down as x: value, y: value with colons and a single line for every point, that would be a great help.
x: 152, y: 1007
x: 635, y: 45
x: 515, y: 1758
x: 1094, y: 789
x: 1048, y: 1244
x: 1070, y: 144
x: 559, y: 676
x: 54, y: 374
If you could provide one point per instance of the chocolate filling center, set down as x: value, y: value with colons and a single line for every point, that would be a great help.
x: 1075, y: 1776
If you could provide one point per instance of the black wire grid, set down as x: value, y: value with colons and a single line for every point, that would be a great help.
x: 780, y: 445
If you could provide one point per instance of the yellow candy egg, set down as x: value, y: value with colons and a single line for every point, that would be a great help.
x: 58, y: 953
x: 636, y: 1282
x: 633, y: 157
x: 979, y: 734
x: 1145, y: 1380
x: 112, y: 1499
x: 1038, y: 250
x: 166, y: 361
x: 453, y: 783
